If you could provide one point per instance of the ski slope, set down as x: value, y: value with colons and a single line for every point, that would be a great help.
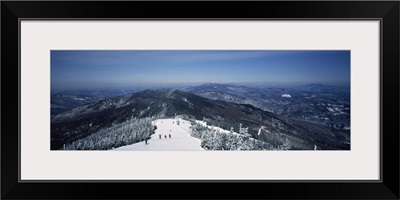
x: 180, y: 140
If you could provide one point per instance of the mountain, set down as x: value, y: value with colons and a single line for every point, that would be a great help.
x: 317, y: 103
x: 62, y: 101
x: 85, y: 120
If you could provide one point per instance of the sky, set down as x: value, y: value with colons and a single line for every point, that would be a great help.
x: 104, y: 69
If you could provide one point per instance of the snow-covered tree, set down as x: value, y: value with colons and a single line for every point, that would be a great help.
x: 285, y: 146
x: 125, y: 133
x: 244, y: 131
x: 216, y: 140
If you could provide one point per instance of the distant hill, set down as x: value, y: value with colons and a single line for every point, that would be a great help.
x: 317, y: 103
x: 62, y: 101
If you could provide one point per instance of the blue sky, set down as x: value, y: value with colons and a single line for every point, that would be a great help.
x: 103, y: 69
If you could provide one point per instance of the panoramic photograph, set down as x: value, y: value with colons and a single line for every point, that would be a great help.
x: 196, y: 100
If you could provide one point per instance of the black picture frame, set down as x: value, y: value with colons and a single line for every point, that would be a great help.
x: 386, y: 11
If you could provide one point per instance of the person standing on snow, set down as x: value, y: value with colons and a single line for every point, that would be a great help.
x: 170, y: 136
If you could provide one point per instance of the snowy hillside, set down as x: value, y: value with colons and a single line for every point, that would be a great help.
x: 180, y: 137
x: 125, y: 120
x: 207, y: 136
x: 216, y: 138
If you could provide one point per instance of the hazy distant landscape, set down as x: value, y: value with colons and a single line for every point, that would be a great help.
x: 200, y: 100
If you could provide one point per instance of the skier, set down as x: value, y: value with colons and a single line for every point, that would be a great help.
x: 145, y: 140
x: 170, y: 136
x: 165, y: 136
x: 159, y: 135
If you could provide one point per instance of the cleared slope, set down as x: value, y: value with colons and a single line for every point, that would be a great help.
x: 180, y: 140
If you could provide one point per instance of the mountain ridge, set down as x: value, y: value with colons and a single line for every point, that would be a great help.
x: 316, y: 103
x: 166, y: 103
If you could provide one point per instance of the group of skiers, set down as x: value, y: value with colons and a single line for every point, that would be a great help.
x: 165, y: 136
x: 159, y: 135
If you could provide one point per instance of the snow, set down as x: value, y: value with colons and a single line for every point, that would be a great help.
x: 180, y: 141
x: 287, y: 95
x: 336, y: 110
x: 217, y: 129
x: 262, y: 128
x: 78, y: 99
x: 190, y: 104
x: 339, y: 110
x: 330, y: 109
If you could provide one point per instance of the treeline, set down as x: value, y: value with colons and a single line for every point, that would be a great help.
x: 239, y: 139
x: 131, y: 131
x: 214, y: 140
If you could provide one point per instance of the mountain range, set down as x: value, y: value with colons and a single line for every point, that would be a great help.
x: 272, y: 127
x: 317, y: 103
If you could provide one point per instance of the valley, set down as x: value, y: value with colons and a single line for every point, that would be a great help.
x: 256, y: 128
